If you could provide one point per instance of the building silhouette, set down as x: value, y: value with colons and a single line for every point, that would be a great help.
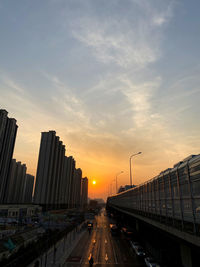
x: 47, y: 170
x: 76, y: 191
x: 58, y: 183
x: 20, y: 187
x: 8, y: 131
x: 16, y: 186
x: 28, y: 191
x: 84, y: 192
x: 67, y: 192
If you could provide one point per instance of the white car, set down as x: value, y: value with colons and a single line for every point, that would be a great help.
x: 140, y: 251
x: 134, y: 244
x: 150, y: 262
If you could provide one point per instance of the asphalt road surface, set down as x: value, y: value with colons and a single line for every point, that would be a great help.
x: 106, y: 250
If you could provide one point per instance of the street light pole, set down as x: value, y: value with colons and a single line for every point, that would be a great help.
x: 116, y: 179
x: 130, y: 166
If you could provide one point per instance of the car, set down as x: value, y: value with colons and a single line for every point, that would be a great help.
x: 90, y: 224
x: 134, y: 244
x: 150, y: 262
x: 140, y: 251
x: 127, y: 233
x: 114, y: 229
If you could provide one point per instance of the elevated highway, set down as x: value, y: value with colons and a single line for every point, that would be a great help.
x: 170, y: 203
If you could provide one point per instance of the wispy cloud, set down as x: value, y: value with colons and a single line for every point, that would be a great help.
x: 124, y: 41
x: 123, y: 46
x: 103, y: 87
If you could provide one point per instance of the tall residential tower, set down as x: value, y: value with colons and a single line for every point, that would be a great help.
x: 55, y: 185
x: 84, y: 192
x: 8, y: 131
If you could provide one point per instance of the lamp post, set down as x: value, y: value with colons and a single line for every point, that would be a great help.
x: 130, y: 166
x: 116, y: 179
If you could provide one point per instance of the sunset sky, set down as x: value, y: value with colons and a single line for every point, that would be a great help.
x: 111, y: 77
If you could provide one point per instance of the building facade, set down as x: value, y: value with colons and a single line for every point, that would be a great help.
x: 67, y: 182
x: 84, y: 192
x: 56, y: 186
x: 8, y: 131
x: 76, y: 191
x: 20, y: 185
x: 28, y: 191
x: 70, y: 174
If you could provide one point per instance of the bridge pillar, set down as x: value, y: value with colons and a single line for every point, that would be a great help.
x: 137, y: 225
x: 186, y: 257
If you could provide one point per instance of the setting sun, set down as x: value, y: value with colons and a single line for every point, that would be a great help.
x: 94, y: 182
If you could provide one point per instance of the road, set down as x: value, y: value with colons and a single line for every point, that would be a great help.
x: 106, y: 250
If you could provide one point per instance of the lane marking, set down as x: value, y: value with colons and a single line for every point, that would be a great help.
x: 113, y: 249
x: 98, y: 251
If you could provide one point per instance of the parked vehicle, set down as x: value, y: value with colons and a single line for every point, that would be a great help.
x: 127, y: 233
x: 114, y: 229
x: 150, y: 262
x: 134, y: 244
x: 140, y: 251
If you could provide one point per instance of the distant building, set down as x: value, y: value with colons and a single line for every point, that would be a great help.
x: 49, y: 170
x: 28, y: 191
x: 124, y: 188
x: 128, y: 187
x: 77, y: 188
x: 100, y: 200
x: 57, y: 182
x: 8, y: 131
x: 121, y: 189
x: 19, y: 212
x: 69, y: 181
x: 17, y: 183
x: 93, y: 204
x: 84, y: 192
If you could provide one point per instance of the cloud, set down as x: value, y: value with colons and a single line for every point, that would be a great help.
x: 123, y: 47
x: 127, y: 107
x: 121, y: 40
x: 159, y: 13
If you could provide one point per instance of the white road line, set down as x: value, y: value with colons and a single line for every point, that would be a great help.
x: 114, y: 252
x: 98, y: 251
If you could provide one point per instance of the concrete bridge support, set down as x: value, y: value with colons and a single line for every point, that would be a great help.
x: 186, y: 257
x: 137, y: 226
x: 169, y: 245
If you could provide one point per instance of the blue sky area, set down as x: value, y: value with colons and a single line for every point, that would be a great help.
x: 111, y: 77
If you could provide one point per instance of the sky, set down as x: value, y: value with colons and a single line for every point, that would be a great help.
x: 111, y: 77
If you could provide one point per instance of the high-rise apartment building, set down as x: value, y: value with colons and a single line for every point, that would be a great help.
x: 60, y: 176
x: 17, y: 183
x: 70, y: 174
x: 76, y: 193
x: 28, y: 191
x: 47, y: 169
x: 84, y: 192
x: 58, y: 183
x: 67, y: 182
x: 8, y: 131
x: 54, y: 173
